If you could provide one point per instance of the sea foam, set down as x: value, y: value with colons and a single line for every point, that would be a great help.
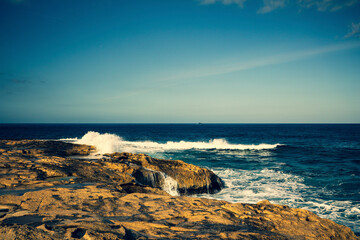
x: 252, y: 186
x: 109, y: 143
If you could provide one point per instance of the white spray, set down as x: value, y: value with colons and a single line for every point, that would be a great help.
x: 109, y: 143
x: 170, y: 185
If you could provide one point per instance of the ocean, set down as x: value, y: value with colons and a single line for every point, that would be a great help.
x: 310, y: 166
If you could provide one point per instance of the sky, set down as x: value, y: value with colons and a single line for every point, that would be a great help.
x: 180, y: 61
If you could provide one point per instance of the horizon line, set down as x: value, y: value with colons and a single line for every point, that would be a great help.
x: 196, y: 123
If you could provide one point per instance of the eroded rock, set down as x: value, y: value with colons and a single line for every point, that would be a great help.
x: 47, y: 196
x: 36, y: 164
x: 190, y: 179
x: 95, y: 211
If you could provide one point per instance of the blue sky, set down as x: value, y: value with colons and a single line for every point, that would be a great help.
x: 175, y: 61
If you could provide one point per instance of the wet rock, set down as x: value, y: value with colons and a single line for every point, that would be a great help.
x: 148, y: 177
x: 45, y: 196
x: 190, y: 179
x: 36, y: 163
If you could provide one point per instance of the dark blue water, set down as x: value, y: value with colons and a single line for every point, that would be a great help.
x: 312, y: 166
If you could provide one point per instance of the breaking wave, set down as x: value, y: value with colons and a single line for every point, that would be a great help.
x: 252, y: 186
x: 109, y: 143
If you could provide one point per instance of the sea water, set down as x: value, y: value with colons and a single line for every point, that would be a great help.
x: 310, y: 166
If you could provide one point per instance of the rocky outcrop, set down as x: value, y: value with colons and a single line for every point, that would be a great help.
x: 190, y: 179
x: 43, y: 147
x: 98, y: 212
x: 32, y: 163
x: 121, y: 196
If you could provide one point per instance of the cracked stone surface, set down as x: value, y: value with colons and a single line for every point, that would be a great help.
x: 48, y: 192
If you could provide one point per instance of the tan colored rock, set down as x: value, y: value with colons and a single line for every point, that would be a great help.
x: 47, y: 196
x: 190, y: 178
x: 43, y: 147
x: 94, y: 209
x: 24, y: 232
x: 45, y: 161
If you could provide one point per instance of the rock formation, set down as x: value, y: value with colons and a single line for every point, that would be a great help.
x: 49, y: 190
x: 32, y: 163
x: 190, y: 179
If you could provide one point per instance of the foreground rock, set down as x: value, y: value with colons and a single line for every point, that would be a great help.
x: 96, y: 212
x: 120, y: 197
x: 34, y: 163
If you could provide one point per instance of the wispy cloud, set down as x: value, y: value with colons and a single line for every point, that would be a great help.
x: 10, y: 85
x: 355, y: 30
x: 327, y: 5
x: 262, y: 62
x: 20, y: 81
x: 240, y: 3
x: 271, y: 5
x: 201, y: 74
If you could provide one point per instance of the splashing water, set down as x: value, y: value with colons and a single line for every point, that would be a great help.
x: 170, y: 185
x: 252, y: 186
x: 109, y: 143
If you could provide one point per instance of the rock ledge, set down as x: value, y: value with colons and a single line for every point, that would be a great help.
x: 48, y: 192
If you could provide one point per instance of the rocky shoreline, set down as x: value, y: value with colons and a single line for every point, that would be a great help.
x: 53, y: 190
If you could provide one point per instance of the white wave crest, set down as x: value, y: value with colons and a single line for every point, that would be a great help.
x: 68, y: 139
x: 104, y: 143
x: 109, y: 143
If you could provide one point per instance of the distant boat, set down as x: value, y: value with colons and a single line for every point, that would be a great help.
x: 199, y: 123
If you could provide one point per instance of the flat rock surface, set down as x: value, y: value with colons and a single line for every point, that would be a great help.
x: 47, y: 194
